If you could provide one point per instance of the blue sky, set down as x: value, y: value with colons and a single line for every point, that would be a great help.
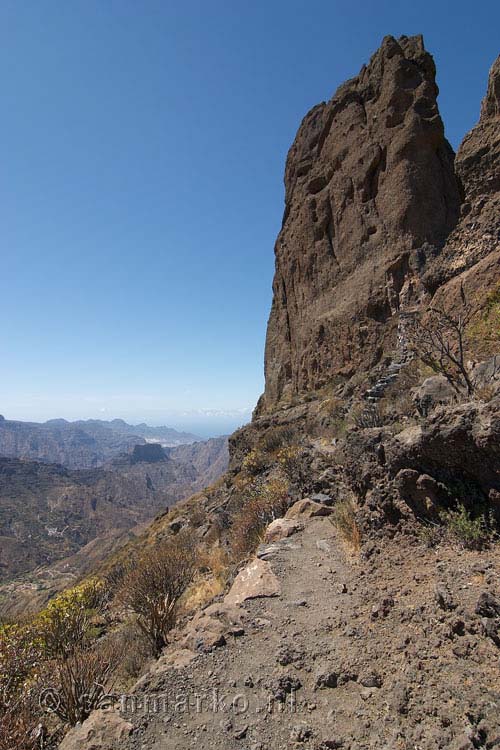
x: 141, y: 186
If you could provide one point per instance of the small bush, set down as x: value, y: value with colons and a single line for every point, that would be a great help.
x: 290, y: 461
x: 262, y: 506
x: 153, y: 589
x: 469, y: 532
x: 484, y: 333
x: 431, y: 535
x: 82, y: 680
x: 20, y: 656
x: 66, y: 621
x: 365, y: 416
x: 344, y: 520
x: 255, y: 462
x: 277, y: 437
x: 19, y: 727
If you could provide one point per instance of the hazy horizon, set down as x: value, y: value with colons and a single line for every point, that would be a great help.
x: 204, y: 423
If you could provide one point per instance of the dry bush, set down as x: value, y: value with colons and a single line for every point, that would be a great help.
x: 135, y: 652
x: 366, y: 415
x: 153, y: 589
x: 277, y: 437
x: 439, y: 341
x: 81, y: 681
x: 484, y: 334
x: 20, y: 728
x: 290, y: 461
x: 344, y: 520
x: 21, y: 653
x: 262, y: 505
x: 214, y: 571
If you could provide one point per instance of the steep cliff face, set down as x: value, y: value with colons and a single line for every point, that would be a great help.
x: 371, y: 196
x: 472, y: 254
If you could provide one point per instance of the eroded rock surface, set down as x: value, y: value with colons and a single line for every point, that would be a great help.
x: 371, y: 196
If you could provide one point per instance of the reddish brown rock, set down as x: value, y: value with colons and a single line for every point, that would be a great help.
x: 371, y: 195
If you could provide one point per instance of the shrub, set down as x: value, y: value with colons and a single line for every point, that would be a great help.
x: 19, y: 729
x: 470, y: 532
x: 262, y: 505
x: 66, y: 621
x: 153, y: 589
x: 430, y: 534
x: 277, y: 437
x: 255, y: 462
x: 20, y: 656
x: 290, y: 460
x: 81, y: 681
x: 365, y: 416
x: 484, y: 333
x: 344, y: 520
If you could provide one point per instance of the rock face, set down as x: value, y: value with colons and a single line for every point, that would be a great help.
x: 371, y: 196
x: 475, y: 239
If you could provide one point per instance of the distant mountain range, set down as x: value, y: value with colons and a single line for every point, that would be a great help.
x: 55, y: 522
x: 84, y: 444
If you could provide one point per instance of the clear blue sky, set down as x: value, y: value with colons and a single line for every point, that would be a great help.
x: 143, y: 146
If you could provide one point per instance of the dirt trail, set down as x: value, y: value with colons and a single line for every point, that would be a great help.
x: 357, y: 653
x: 354, y: 653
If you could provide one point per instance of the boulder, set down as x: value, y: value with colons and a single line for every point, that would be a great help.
x: 103, y: 730
x: 307, y: 508
x: 254, y: 581
x: 434, y: 391
x: 281, y: 528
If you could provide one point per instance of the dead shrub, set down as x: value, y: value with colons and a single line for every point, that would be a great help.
x: 20, y: 655
x: 82, y: 680
x: 135, y: 652
x: 153, y: 589
x: 263, y: 504
x: 439, y: 339
x: 20, y: 728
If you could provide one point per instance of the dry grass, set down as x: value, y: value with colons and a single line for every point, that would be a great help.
x: 214, y: 565
x: 344, y: 520
x: 262, y: 505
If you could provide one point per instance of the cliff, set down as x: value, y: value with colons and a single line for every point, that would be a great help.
x: 371, y: 196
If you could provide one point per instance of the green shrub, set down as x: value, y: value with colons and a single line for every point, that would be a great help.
x: 471, y: 532
x: 66, y: 622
